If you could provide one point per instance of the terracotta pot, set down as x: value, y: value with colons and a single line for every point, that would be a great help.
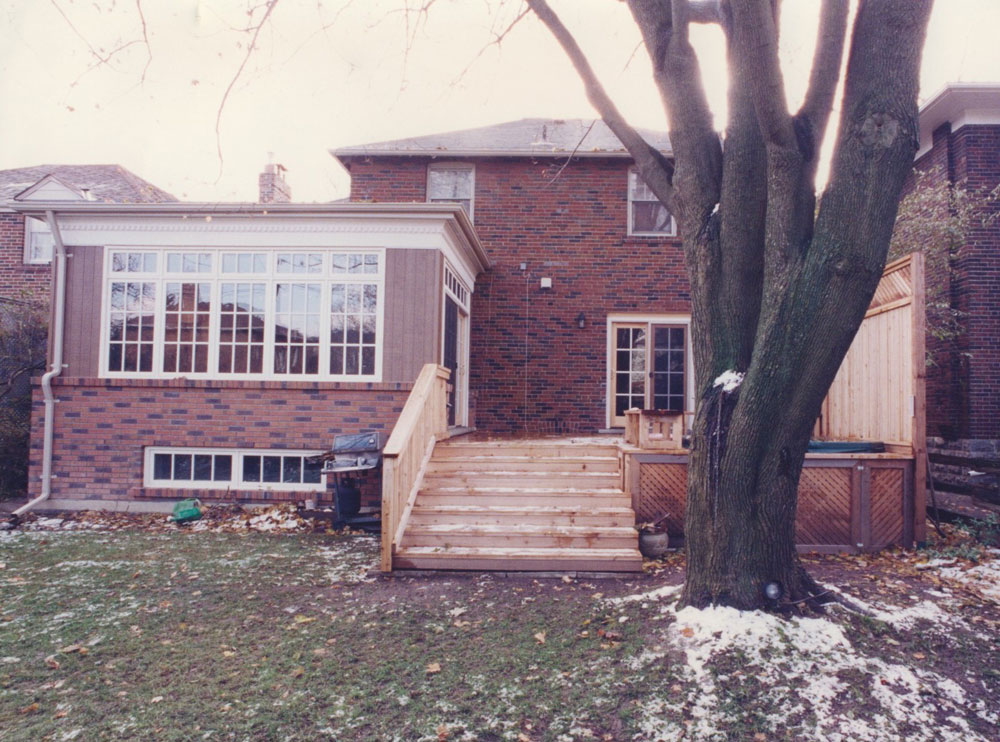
x: 653, y: 545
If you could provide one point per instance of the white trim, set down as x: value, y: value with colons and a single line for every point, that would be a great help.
x: 325, y: 278
x: 632, y: 176
x: 464, y: 340
x: 451, y: 165
x: 649, y: 319
x: 235, y: 481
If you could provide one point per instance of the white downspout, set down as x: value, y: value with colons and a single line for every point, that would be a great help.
x: 57, y: 362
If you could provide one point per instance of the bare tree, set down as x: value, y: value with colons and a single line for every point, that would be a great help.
x: 779, y: 287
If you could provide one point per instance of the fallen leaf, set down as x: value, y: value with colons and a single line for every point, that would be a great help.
x: 156, y: 699
x: 457, y: 611
x: 70, y: 649
x: 919, y: 655
x: 567, y: 579
x: 540, y: 637
x: 433, y: 668
x: 60, y: 714
x: 298, y: 672
x: 442, y: 733
x: 304, y: 619
x: 522, y: 737
x: 31, y: 708
x: 52, y: 662
x: 687, y: 631
x: 760, y: 737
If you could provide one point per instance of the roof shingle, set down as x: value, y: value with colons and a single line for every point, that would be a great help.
x: 106, y: 183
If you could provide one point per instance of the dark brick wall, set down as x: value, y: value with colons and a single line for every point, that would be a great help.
x: 963, y: 396
x: 102, y: 427
x: 532, y: 367
x: 17, y: 280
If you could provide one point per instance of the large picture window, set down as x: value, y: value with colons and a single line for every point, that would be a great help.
x: 244, y: 314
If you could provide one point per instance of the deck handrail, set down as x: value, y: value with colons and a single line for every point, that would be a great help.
x: 423, y: 422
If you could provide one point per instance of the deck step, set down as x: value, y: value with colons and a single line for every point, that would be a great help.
x: 559, y: 464
x: 523, y: 497
x: 521, y: 536
x: 499, y: 448
x: 559, y: 479
x: 572, y: 515
x: 519, y: 559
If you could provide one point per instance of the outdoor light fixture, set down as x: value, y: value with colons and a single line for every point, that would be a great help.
x: 773, y: 590
x: 581, y: 320
x: 546, y: 283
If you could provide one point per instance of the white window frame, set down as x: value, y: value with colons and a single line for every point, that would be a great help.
x: 34, y: 230
x: 463, y: 166
x: 633, y: 176
x: 236, y: 478
x: 649, y: 320
x: 326, y: 277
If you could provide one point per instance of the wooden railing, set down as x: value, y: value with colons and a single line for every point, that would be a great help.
x: 423, y: 422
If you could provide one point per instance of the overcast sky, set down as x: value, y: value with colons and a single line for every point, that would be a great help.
x: 329, y: 73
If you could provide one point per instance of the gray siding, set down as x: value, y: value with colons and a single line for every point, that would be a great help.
x: 412, y: 312
x: 81, y: 347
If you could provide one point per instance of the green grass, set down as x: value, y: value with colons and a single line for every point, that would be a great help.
x: 296, y: 637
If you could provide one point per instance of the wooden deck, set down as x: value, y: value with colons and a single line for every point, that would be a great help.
x: 531, y: 505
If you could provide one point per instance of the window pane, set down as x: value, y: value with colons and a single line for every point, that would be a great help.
x: 202, y: 467
x: 311, y: 472
x: 251, y: 468
x: 182, y: 466
x: 272, y: 469
x: 223, y: 468
x: 291, y: 472
x: 161, y: 466
x: 650, y: 216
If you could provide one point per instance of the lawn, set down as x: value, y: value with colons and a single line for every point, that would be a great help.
x: 139, y: 634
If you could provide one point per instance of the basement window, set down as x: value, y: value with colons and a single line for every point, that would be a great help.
x: 236, y: 469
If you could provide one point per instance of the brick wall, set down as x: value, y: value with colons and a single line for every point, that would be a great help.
x: 962, y: 392
x: 532, y: 367
x: 102, y: 427
x: 17, y: 280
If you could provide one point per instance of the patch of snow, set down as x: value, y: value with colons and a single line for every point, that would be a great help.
x: 984, y: 577
x: 728, y: 380
x: 659, y: 593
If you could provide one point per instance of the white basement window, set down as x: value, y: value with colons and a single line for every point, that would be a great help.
x: 232, y: 469
x: 452, y: 183
x: 647, y: 216
x: 244, y: 314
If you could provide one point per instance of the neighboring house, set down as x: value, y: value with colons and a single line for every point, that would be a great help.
x: 960, y: 141
x: 26, y: 244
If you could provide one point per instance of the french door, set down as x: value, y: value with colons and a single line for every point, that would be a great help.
x: 455, y: 357
x: 648, y: 368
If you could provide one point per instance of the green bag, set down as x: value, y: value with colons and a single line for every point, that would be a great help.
x: 186, y: 511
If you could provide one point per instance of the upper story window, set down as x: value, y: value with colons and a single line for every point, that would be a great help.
x: 647, y: 217
x: 450, y: 183
x: 250, y: 314
x: 38, y: 242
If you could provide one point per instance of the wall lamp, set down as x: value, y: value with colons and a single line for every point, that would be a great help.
x: 581, y: 320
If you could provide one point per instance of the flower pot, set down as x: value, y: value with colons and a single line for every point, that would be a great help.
x: 653, y: 545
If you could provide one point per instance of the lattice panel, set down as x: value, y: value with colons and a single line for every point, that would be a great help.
x: 662, y: 489
x: 886, y: 506
x: 824, y: 512
x: 895, y: 285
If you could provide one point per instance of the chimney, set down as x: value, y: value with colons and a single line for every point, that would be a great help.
x: 273, y: 188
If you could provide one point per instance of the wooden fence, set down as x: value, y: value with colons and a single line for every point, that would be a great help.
x: 878, y: 394
x: 423, y: 422
x: 845, y: 503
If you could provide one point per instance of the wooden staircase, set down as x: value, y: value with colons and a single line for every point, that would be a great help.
x: 520, y: 505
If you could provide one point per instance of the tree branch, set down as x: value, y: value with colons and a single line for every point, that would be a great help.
x: 755, y: 37
x: 269, y: 8
x: 652, y: 165
x: 815, y: 111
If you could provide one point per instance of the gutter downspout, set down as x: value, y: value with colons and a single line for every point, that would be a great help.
x: 56, y: 336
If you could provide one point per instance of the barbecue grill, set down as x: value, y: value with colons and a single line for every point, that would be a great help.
x: 352, y: 456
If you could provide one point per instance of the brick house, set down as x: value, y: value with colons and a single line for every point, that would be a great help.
x: 527, y: 257
x: 960, y: 142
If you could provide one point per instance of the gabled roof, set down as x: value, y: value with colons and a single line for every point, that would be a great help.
x: 524, y: 138
x: 103, y: 183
